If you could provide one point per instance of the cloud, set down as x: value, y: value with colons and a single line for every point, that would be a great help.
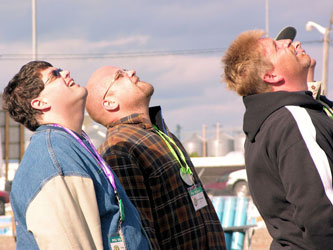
x: 187, y: 86
x: 86, y: 46
x: 193, y: 117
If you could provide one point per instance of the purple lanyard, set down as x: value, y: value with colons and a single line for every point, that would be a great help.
x: 100, y: 161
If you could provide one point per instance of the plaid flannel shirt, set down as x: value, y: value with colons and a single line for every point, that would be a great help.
x: 150, y: 175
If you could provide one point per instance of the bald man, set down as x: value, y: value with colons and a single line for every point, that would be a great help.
x: 151, y: 163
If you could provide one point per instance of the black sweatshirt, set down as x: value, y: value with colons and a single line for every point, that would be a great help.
x: 289, y: 160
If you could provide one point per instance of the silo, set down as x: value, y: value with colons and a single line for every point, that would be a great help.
x: 95, y: 131
x: 239, y: 141
x: 220, y: 145
x: 194, y: 145
x: 97, y: 134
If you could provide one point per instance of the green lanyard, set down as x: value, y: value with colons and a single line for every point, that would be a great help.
x: 168, y: 140
x: 328, y: 112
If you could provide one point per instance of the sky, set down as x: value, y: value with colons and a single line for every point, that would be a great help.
x: 175, y: 45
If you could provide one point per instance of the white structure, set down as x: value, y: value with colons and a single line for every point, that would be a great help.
x: 239, y: 140
x: 220, y: 145
x: 95, y: 131
x: 326, y: 32
x: 232, y: 159
x: 194, y: 145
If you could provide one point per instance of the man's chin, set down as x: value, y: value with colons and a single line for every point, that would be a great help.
x: 151, y: 92
x: 306, y: 61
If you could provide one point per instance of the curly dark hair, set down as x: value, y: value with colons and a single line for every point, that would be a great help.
x: 21, y: 89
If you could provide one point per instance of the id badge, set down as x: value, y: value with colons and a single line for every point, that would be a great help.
x: 197, y: 197
x: 116, y: 243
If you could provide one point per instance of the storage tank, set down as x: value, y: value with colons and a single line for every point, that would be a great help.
x: 239, y: 141
x: 95, y: 131
x: 220, y: 145
x: 194, y: 145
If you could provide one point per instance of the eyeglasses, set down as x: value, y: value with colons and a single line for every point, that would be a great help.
x: 117, y: 75
x: 53, y: 75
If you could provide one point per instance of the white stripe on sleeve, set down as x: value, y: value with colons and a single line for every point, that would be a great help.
x: 318, y: 155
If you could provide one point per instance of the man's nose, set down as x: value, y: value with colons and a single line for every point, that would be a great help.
x: 131, y: 72
x: 297, y: 44
x: 65, y: 73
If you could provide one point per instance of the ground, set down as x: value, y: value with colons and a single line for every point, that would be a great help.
x: 7, y: 243
x: 261, y: 240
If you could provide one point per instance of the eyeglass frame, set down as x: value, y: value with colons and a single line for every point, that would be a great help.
x: 116, y: 76
x: 54, y: 73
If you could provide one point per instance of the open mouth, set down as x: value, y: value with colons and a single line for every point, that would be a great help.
x: 70, y: 83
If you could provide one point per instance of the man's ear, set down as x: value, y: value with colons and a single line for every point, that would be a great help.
x: 273, y: 79
x: 110, y: 103
x: 40, y: 104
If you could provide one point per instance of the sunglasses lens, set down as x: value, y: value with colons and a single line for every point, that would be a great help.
x: 54, y: 75
x: 56, y: 72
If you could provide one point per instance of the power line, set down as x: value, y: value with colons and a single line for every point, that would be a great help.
x: 127, y: 54
x: 113, y: 55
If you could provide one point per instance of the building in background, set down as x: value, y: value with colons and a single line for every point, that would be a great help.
x: 227, y: 148
x: 194, y: 145
x: 95, y: 131
x: 12, y: 148
x: 219, y: 144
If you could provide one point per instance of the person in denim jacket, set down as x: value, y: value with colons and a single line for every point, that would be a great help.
x: 63, y: 195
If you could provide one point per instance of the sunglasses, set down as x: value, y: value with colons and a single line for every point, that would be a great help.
x: 117, y: 75
x: 53, y: 75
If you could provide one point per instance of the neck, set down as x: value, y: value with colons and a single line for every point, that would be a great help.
x: 77, y: 130
x: 113, y: 117
x: 292, y: 85
x: 74, y: 123
x: 146, y: 115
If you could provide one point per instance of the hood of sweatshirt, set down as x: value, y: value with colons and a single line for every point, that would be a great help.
x: 260, y: 106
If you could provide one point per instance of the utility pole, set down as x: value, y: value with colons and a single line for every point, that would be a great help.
x: 267, y: 18
x: 6, y: 145
x: 204, y: 140
x: 178, y: 131
x: 34, y: 31
x: 325, y: 54
x: 326, y: 32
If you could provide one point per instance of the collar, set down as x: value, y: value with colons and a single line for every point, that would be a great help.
x: 155, y: 115
x: 47, y: 126
x: 260, y: 106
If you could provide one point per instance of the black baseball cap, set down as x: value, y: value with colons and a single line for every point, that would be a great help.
x: 286, y: 33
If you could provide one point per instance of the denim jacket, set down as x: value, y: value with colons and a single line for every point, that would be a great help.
x: 62, y: 200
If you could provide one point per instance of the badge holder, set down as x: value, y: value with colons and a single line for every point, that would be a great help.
x: 195, y: 191
x: 197, y: 196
